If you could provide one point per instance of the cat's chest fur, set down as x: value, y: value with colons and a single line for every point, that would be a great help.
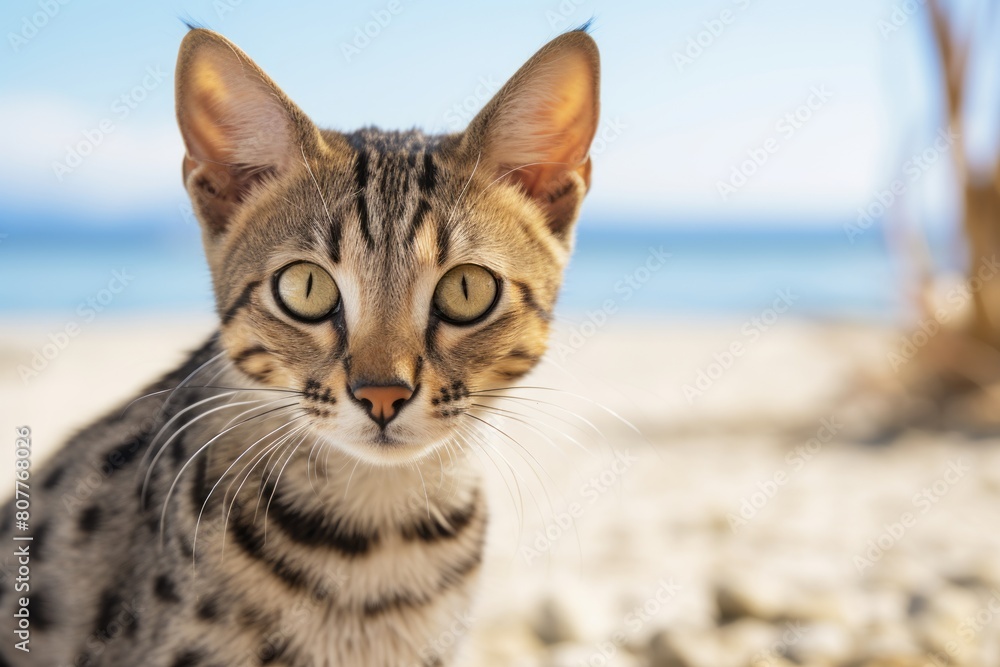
x: 333, y: 562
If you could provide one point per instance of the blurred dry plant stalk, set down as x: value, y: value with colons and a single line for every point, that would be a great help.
x: 951, y: 378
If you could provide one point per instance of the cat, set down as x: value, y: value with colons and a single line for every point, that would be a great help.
x: 300, y: 491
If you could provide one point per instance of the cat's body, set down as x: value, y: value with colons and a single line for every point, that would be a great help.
x: 300, y: 491
x: 366, y: 573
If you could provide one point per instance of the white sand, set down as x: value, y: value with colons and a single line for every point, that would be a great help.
x: 652, y: 530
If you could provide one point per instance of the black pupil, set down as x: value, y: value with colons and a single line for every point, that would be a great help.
x: 309, y: 285
x: 465, y: 287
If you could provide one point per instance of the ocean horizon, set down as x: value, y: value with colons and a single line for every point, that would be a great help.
x: 676, y: 271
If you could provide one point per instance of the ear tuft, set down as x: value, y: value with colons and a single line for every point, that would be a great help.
x: 192, y: 24
x: 536, y: 132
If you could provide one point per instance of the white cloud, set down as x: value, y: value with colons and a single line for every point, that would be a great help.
x: 130, y: 163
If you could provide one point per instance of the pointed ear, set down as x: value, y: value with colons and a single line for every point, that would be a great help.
x: 238, y: 127
x: 536, y: 132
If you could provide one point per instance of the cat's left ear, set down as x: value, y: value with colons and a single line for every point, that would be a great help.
x: 238, y: 127
x: 537, y: 130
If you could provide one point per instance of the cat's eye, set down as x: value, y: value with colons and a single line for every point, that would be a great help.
x: 306, y: 291
x: 465, y: 294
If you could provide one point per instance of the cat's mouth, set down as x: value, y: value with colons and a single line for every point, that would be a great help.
x: 383, y: 439
x: 383, y: 434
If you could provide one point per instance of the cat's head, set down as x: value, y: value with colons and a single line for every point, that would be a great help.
x: 386, y: 276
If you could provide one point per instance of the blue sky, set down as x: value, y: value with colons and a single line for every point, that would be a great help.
x: 674, y: 129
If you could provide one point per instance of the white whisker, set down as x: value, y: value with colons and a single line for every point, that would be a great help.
x: 270, y: 447
x: 277, y: 480
x: 222, y: 477
x: 466, y: 187
x: 190, y: 460
x: 533, y: 468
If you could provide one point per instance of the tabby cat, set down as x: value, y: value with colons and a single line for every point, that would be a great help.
x: 300, y: 492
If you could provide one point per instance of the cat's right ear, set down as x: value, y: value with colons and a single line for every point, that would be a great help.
x: 239, y: 129
x: 536, y: 131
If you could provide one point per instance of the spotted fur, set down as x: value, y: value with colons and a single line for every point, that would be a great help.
x: 245, y: 509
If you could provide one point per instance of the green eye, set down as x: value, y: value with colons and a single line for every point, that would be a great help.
x: 465, y: 294
x: 306, y: 291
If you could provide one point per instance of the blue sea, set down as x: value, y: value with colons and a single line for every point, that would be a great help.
x: 668, y: 271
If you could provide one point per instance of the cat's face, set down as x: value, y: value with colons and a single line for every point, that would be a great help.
x: 386, y: 277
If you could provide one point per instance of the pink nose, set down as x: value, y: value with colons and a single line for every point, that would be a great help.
x: 383, y: 402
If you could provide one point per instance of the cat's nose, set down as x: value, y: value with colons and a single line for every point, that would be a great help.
x: 383, y: 402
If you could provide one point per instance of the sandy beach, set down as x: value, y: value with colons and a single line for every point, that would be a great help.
x: 675, y: 504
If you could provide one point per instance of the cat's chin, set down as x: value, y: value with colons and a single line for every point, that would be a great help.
x: 383, y: 451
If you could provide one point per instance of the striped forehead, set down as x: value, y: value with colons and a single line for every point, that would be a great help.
x: 386, y: 222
